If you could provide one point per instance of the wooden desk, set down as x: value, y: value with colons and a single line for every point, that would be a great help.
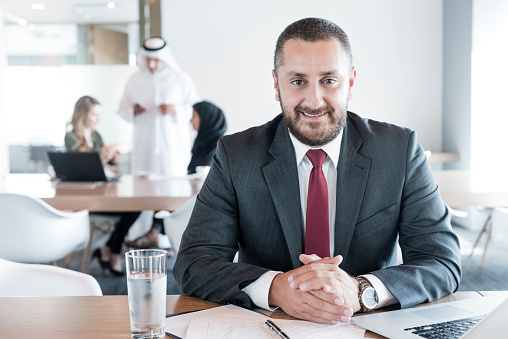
x: 98, y: 317
x: 464, y: 188
x: 130, y: 193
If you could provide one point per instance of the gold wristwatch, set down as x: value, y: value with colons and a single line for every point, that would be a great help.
x: 366, y: 295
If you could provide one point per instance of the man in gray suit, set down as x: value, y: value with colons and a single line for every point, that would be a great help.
x: 380, y: 188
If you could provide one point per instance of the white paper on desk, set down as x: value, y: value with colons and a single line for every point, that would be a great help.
x: 179, y: 324
x: 213, y: 328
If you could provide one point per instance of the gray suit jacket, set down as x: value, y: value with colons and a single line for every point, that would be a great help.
x: 250, y: 202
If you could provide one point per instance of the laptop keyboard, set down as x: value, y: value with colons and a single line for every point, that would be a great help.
x: 447, y: 329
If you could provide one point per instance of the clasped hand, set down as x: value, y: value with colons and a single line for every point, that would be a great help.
x: 139, y: 109
x: 168, y: 109
x: 110, y: 153
x: 318, y: 291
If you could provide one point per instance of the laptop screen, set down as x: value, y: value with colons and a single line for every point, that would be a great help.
x: 77, y: 166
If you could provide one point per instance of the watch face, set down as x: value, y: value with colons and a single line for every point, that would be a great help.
x: 369, y: 298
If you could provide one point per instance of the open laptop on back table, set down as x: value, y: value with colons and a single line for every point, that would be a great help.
x: 79, y: 166
x: 469, y: 319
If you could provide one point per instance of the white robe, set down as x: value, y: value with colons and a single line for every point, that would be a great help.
x: 161, y: 143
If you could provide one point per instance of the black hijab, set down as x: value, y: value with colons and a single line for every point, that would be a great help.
x: 211, y: 128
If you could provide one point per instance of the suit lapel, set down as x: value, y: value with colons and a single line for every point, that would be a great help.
x: 352, y: 174
x: 281, y: 176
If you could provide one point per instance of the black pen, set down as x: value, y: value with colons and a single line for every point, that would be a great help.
x: 276, y: 329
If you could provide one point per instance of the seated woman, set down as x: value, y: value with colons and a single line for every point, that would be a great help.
x: 84, y: 138
x: 210, y: 123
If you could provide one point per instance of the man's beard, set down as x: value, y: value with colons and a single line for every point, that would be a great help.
x: 315, y: 138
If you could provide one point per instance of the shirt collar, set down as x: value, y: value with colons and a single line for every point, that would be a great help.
x: 332, y: 149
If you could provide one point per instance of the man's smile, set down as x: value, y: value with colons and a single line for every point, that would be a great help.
x: 313, y: 115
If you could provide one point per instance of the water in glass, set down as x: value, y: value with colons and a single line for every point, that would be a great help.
x: 147, y: 304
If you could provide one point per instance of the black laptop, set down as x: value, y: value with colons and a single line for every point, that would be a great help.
x: 79, y: 166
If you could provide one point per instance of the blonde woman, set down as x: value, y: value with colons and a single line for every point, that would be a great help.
x: 83, y: 137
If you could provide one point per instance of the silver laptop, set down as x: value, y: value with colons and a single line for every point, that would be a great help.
x: 451, y: 319
x: 79, y: 166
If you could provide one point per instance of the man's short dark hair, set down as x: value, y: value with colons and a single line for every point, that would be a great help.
x: 311, y: 30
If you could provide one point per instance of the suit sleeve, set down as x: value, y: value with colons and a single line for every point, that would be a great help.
x: 430, y: 249
x: 204, y: 267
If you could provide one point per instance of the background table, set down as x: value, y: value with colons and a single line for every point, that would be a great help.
x: 105, y: 317
x: 130, y: 193
x: 465, y: 188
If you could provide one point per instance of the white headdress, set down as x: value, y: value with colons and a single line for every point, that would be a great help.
x: 156, y: 47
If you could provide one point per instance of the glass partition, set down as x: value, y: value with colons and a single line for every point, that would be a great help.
x: 71, y: 44
x: 50, y: 65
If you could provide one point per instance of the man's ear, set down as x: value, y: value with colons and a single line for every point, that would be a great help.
x: 352, y: 79
x: 275, y: 85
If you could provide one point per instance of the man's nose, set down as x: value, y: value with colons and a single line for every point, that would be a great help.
x: 314, y: 96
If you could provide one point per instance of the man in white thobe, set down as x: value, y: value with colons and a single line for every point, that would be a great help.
x: 158, y: 101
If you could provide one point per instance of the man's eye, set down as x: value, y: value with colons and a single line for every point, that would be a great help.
x: 297, y: 82
x: 330, y: 81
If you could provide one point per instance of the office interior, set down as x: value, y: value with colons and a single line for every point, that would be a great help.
x: 435, y: 66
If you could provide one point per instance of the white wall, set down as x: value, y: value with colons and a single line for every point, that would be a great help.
x: 457, y: 46
x: 489, y: 107
x: 227, y: 47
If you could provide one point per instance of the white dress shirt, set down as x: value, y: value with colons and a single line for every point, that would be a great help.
x: 258, y: 290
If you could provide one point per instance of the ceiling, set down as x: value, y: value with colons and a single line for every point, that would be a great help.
x: 71, y: 11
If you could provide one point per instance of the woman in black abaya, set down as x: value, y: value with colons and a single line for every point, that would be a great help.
x: 210, y: 123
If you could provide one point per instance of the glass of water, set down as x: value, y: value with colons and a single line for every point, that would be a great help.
x: 146, y: 286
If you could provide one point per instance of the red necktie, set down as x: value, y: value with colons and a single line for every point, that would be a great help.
x: 317, y: 236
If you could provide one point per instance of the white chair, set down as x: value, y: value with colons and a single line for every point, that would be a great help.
x: 31, y: 231
x: 175, y: 223
x: 34, y: 280
x: 497, y: 216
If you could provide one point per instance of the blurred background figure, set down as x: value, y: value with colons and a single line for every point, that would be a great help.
x: 158, y: 101
x: 84, y: 138
x: 210, y: 123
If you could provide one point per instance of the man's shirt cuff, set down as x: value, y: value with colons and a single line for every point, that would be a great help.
x: 258, y: 290
x: 384, y: 296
